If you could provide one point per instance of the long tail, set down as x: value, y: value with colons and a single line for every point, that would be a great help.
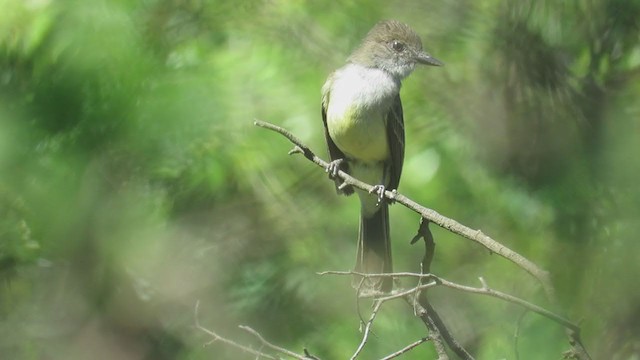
x: 374, y: 249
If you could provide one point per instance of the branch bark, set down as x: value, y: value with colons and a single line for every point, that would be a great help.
x: 433, y: 216
x: 577, y: 349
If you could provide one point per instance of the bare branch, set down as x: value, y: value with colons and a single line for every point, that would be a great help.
x: 215, y: 337
x: 430, y: 316
x: 272, y: 346
x: 516, y: 335
x: 433, y: 216
x: 367, y: 328
x: 542, y: 276
x: 435, y: 330
x: 407, y: 348
x: 438, y: 281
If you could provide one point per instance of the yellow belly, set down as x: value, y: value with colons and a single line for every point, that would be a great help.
x: 360, y: 135
x: 357, y: 101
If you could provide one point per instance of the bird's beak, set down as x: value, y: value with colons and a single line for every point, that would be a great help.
x: 426, y: 59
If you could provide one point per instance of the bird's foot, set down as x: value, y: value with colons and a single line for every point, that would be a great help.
x: 392, y: 198
x: 333, y: 168
x: 379, y: 190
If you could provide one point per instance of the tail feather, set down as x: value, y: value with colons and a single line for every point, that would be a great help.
x: 374, y: 249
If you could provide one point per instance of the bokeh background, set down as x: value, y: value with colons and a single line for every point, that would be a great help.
x: 133, y: 183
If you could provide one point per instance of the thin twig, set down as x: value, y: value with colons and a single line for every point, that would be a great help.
x: 367, y: 328
x: 407, y: 348
x: 484, y: 290
x: 217, y: 338
x: 516, y: 335
x: 272, y: 346
x: 358, y: 290
x: 259, y: 354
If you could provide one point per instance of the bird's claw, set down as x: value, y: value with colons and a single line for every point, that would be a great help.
x: 392, y: 198
x: 379, y: 190
x: 333, y: 168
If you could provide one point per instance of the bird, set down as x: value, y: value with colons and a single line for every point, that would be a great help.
x: 364, y: 131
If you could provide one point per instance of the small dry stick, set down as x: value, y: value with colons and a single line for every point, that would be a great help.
x: 215, y: 337
x: 407, y: 348
x: 367, y: 328
x: 516, y: 335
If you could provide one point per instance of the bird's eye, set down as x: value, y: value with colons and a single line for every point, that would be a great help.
x: 397, y: 45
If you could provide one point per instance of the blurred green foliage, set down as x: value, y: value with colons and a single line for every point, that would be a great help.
x: 132, y: 182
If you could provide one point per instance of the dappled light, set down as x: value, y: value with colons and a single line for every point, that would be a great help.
x: 134, y: 184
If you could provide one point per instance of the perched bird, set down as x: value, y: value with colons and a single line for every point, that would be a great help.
x: 364, y: 130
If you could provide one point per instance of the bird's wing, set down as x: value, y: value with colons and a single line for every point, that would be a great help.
x: 334, y: 152
x: 395, y: 139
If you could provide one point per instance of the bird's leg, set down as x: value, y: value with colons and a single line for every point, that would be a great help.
x: 333, y: 168
x: 379, y: 190
x: 392, y: 199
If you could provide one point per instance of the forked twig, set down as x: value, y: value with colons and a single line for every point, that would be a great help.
x: 438, y: 281
x: 259, y: 354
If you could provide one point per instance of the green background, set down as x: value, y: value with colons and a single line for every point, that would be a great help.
x: 133, y: 183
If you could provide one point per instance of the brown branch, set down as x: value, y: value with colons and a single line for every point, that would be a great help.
x: 451, y: 341
x: 433, y: 216
x: 435, y: 330
x: 420, y: 302
x: 542, y: 276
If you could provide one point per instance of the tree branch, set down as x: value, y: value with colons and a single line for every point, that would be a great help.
x: 483, y: 290
x: 542, y: 276
x: 367, y: 328
x: 406, y: 348
x: 433, y: 216
x: 430, y: 316
x: 215, y: 337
